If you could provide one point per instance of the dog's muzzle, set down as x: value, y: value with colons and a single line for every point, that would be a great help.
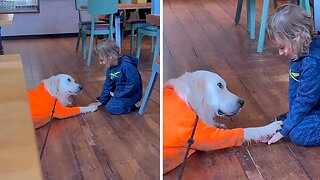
x: 240, y: 103
x: 78, y: 92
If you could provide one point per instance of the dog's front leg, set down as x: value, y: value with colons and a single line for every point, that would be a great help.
x: 90, y: 108
x: 258, y: 133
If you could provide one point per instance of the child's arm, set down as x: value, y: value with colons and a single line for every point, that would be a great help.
x: 106, y: 89
x: 133, y: 82
x: 307, y: 96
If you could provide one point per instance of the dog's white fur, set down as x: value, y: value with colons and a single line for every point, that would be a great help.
x: 207, y: 94
x: 62, y: 86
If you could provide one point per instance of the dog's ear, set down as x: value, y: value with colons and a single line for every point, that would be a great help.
x: 197, y: 89
x: 52, y: 85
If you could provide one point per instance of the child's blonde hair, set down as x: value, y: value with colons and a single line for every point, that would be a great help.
x: 290, y: 23
x: 109, y: 52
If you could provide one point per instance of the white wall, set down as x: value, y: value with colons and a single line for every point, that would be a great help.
x: 56, y: 16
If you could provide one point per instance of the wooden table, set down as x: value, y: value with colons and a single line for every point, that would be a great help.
x: 127, y: 6
x: 5, y: 20
x: 19, y: 158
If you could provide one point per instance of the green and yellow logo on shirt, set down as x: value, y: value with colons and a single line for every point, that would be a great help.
x: 114, y: 75
x: 294, y: 75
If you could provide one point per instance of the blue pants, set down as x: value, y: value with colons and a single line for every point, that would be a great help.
x: 307, y: 132
x: 119, y: 105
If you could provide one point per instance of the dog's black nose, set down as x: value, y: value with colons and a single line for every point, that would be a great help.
x: 241, y: 102
x: 80, y: 87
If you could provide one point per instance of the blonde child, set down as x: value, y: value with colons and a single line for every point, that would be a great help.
x: 290, y: 29
x: 122, y: 88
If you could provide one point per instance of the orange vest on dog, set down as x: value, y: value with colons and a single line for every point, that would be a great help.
x: 41, y: 105
x: 178, y: 123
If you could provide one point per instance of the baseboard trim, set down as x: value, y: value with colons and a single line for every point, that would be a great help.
x: 39, y: 36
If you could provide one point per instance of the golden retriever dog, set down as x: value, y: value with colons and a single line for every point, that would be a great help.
x: 204, y: 94
x: 42, y: 99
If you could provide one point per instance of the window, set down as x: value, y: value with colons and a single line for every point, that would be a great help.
x: 19, y: 6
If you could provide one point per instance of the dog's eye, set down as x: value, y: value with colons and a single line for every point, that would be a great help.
x: 220, y: 85
x: 69, y: 80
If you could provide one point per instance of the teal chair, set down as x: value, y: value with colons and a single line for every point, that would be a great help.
x: 98, y: 7
x: 251, y: 15
x: 134, y: 25
x: 148, y: 30
x: 78, y: 5
x: 154, y: 74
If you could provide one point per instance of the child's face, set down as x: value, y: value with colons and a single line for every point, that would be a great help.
x: 107, y: 61
x: 103, y: 60
x: 292, y: 52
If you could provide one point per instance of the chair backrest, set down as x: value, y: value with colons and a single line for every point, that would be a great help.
x: 80, y: 3
x: 102, y: 6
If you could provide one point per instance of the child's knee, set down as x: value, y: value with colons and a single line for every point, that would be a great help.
x: 299, y: 138
x: 295, y: 139
x: 116, y: 110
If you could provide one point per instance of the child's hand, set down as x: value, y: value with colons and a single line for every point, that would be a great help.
x: 264, y: 139
x: 112, y: 94
x: 275, y: 138
x: 95, y: 104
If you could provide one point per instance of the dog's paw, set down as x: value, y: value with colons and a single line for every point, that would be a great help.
x: 272, y: 128
x: 92, y: 108
x: 220, y: 125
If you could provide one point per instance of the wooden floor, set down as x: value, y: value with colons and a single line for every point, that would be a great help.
x: 201, y: 34
x: 95, y: 145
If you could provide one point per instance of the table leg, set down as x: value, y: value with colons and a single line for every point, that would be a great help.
x: 1, y: 47
x: 124, y: 19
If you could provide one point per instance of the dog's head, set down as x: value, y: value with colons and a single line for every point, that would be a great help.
x: 207, y: 94
x: 62, y: 86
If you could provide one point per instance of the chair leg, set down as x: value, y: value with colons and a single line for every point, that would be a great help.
x: 252, y: 18
x: 96, y: 39
x: 78, y: 40
x: 132, y: 40
x: 275, y: 4
x: 138, y: 44
x: 157, y: 48
x: 305, y: 4
x: 152, y: 44
x: 148, y: 92
x: 84, y: 45
x: 118, y: 31
x: 90, y: 48
x: 238, y: 13
x: 248, y: 16
x: 263, y: 25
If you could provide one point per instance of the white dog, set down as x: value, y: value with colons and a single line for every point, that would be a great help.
x: 59, y: 87
x: 204, y: 94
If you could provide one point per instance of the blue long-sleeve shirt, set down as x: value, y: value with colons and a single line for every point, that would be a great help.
x: 304, y: 87
x: 123, y: 80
